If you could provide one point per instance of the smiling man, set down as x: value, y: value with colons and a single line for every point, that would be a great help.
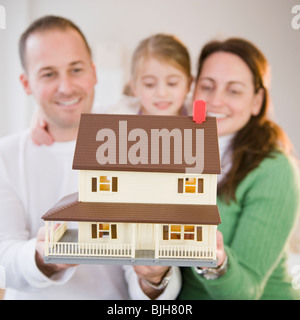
x: 61, y: 80
x: 60, y: 74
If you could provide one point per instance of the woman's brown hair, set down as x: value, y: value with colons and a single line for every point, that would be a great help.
x: 260, y: 136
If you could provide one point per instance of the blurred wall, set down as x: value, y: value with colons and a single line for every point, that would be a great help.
x: 114, y: 27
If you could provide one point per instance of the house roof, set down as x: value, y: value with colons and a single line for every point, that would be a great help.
x: 94, y: 146
x: 70, y: 209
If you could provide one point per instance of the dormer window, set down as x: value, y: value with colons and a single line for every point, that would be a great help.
x: 104, y: 184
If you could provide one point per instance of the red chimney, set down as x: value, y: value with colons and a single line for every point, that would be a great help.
x: 199, y: 111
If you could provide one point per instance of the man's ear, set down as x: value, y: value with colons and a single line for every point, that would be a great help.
x: 25, y: 83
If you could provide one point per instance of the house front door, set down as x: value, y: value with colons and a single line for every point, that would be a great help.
x: 145, y: 236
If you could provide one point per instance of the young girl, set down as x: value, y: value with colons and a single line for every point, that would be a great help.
x: 159, y: 84
x: 258, y: 193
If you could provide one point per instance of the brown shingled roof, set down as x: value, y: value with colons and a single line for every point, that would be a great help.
x: 70, y: 209
x: 90, y: 124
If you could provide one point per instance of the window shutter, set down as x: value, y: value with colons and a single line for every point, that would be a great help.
x: 94, y: 184
x: 114, y: 184
x: 94, y: 231
x: 113, y: 229
x: 180, y: 185
x: 165, y: 232
x: 200, y: 186
x: 199, y: 233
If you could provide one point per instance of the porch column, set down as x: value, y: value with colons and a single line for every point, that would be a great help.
x: 214, y: 241
x: 134, y: 230
x: 156, y: 235
x: 51, y: 232
x: 47, y: 238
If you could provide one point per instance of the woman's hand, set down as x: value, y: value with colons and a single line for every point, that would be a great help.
x: 221, y: 254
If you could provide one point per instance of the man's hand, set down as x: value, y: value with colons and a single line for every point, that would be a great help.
x: 48, y: 269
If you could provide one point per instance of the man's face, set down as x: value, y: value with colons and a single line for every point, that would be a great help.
x: 61, y: 77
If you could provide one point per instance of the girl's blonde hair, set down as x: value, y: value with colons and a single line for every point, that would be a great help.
x: 166, y: 48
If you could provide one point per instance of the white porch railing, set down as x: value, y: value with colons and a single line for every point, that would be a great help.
x: 89, y: 249
x: 185, y: 252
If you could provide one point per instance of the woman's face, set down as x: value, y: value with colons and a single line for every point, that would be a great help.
x: 226, y: 84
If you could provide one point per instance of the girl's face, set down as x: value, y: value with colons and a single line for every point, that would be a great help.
x: 161, y: 87
x: 226, y: 84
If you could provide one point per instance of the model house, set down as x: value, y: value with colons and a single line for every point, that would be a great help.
x: 147, y: 193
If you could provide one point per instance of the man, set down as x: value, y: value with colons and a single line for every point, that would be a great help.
x: 60, y: 74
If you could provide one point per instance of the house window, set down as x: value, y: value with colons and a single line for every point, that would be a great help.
x: 104, y: 184
x: 175, y: 232
x: 189, y: 232
x: 190, y: 185
x: 104, y: 231
x: 182, y: 232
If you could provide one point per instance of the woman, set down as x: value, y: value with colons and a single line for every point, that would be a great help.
x: 258, y: 192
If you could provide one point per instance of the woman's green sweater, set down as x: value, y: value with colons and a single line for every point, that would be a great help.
x: 255, y: 228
